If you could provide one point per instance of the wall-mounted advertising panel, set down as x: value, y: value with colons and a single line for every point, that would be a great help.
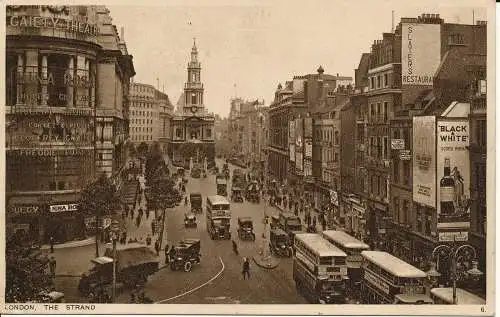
x: 424, y: 160
x: 453, y: 179
x: 421, y: 53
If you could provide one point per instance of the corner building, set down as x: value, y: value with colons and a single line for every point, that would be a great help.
x: 64, y: 123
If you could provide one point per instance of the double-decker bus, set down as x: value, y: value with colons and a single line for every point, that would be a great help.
x: 319, y: 269
x: 390, y: 280
x: 444, y: 296
x: 218, y: 217
x: 353, y: 248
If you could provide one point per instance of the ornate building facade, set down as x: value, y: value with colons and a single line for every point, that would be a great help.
x: 192, y: 138
x: 67, y: 77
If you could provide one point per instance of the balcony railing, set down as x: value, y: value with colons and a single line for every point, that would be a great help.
x: 50, y: 86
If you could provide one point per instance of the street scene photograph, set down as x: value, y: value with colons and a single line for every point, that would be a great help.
x: 298, y: 154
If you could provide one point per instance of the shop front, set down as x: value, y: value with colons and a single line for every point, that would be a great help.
x: 64, y: 222
x: 378, y: 225
x: 23, y: 219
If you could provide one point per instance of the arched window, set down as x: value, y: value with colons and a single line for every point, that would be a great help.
x: 178, y: 132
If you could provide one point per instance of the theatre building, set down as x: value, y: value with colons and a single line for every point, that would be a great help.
x: 55, y: 67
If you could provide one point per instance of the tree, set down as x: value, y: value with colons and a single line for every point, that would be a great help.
x: 162, y: 194
x: 155, y: 163
x: 142, y: 149
x: 25, y: 274
x: 132, y: 151
x: 99, y: 199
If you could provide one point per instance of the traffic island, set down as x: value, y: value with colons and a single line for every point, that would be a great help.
x: 266, y: 262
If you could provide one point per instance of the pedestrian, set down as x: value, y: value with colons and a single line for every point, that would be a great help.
x: 153, y: 227
x: 52, y: 266
x: 131, y: 212
x: 186, y: 201
x: 157, y: 247
x: 323, y: 223
x: 138, y: 221
x: 147, y: 213
x: 314, y: 221
x: 51, y: 241
x: 148, y: 240
x: 246, y: 269
x: 141, y: 212
x: 285, y: 205
x: 166, y: 251
x: 132, y: 298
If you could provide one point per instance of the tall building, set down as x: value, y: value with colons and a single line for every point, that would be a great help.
x: 146, y: 107
x: 67, y: 86
x: 192, y: 126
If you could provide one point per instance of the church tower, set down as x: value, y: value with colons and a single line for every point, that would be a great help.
x: 193, y: 89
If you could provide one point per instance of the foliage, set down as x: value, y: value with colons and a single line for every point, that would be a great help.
x: 162, y: 194
x: 155, y: 163
x: 100, y: 198
x: 25, y: 274
x: 132, y: 150
x: 142, y: 149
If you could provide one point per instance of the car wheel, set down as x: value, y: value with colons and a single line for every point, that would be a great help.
x: 187, y: 266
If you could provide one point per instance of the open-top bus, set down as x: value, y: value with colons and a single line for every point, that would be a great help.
x: 319, y: 269
x: 444, y: 296
x: 390, y: 280
x: 218, y: 217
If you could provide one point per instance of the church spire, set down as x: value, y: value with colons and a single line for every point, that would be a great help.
x: 194, y: 51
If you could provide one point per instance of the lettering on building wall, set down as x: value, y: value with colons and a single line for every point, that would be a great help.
x: 68, y: 25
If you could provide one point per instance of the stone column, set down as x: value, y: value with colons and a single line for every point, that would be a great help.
x: 45, y: 95
x: 19, y: 79
x: 69, y: 77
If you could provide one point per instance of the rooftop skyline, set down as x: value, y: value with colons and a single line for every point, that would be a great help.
x: 247, y: 50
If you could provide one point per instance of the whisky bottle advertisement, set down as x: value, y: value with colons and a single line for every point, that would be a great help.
x: 453, y: 179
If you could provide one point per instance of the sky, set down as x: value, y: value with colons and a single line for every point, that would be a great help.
x: 246, y: 48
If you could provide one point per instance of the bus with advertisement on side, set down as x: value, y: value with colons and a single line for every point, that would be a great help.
x: 444, y: 296
x: 319, y: 269
x: 353, y: 248
x: 218, y: 215
x: 390, y: 280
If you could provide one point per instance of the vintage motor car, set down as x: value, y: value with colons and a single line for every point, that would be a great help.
x: 190, y: 221
x: 245, y: 228
x: 252, y: 192
x: 279, y: 243
x: 275, y: 221
x: 195, y: 200
x: 236, y: 194
x: 196, y: 172
x: 184, y: 255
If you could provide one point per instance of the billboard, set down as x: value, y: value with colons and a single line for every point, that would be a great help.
x: 292, y: 152
x: 308, y: 127
x: 308, y: 148
x: 453, y: 179
x: 291, y: 132
x: 299, y: 162
x: 421, y: 53
x: 424, y: 160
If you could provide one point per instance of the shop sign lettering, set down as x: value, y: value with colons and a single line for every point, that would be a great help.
x: 48, y: 152
x: 39, y: 22
x: 24, y: 210
x: 63, y: 208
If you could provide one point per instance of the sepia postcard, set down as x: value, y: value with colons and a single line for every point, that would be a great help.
x: 248, y: 157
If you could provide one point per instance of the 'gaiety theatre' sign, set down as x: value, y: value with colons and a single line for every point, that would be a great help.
x: 53, y: 23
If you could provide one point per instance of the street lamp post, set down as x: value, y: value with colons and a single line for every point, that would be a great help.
x: 114, y: 237
x: 453, y: 252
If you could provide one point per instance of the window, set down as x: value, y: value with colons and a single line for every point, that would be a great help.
x: 193, y: 98
x: 337, y: 138
x: 386, y: 147
x: 378, y: 110
x: 336, y: 157
x: 379, y: 147
x: 404, y: 215
x: 372, y: 110
x: 428, y: 224
x: 385, y: 111
x: 406, y: 173
x: 178, y: 132
x: 396, y: 209
x: 372, y: 82
x: 209, y: 133
x: 386, y: 80
x: 396, y: 171
x: 378, y: 81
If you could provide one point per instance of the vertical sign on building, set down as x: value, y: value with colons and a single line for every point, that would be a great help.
x: 291, y: 140
x: 299, y: 146
x: 424, y: 161
x: 421, y: 53
x: 453, y: 179
x: 308, y: 142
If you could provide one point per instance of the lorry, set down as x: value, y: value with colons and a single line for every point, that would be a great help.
x: 221, y: 183
x: 135, y: 262
x: 290, y: 223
